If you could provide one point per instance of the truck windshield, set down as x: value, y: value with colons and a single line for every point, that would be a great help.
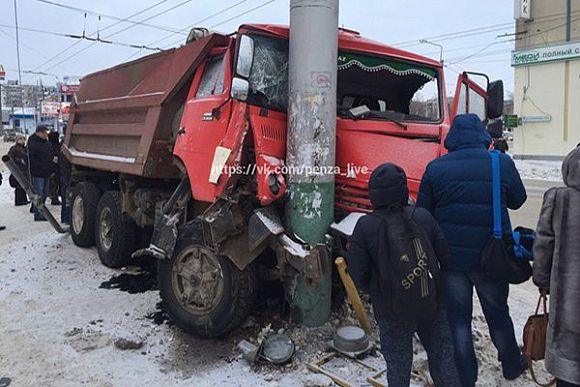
x: 391, y: 89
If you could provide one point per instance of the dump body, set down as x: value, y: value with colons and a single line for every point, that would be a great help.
x: 121, y: 118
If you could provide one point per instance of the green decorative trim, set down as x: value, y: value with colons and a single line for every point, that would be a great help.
x: 373, y: 64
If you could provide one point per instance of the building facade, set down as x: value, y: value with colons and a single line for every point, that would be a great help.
x: 546, y: 60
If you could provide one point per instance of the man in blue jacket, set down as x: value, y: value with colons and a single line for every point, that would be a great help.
x: 388, y: 187
x: 457, y: 189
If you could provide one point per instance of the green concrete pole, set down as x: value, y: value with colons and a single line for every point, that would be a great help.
x: 311, y: 142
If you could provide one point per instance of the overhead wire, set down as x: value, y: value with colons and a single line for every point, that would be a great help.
x: 85, y: 37
x: 230, y: 19
x: 198, y: 22
x: 475, y: 31
x: 104, y: 29
x: 119, y: 31
x: 86, y: 11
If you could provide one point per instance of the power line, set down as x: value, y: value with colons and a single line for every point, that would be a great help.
x: 232, y: 18
x: 32, y: 49
x: 195, y: 24
x: 475, y: 31
x: 154, y: 16
x: 89, y: 12
x: 85, y: 37
x: 244, y: 13
x: 104, y: 29
x: 118, y: 32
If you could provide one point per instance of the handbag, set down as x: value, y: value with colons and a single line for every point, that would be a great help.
x: 505, y: 257
x: 535, y: 337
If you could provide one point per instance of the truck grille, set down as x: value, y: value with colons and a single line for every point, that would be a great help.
x: 349, y: 196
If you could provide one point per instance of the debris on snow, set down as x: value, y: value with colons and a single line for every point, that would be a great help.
x: 128, y: 344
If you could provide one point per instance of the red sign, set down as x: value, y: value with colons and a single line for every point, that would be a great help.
x: 69, y: 89
x: 2, y: 73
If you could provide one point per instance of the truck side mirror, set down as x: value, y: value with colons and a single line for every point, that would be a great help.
x: 240, y: 89
x: 245, y: 56
x: 494, y: 105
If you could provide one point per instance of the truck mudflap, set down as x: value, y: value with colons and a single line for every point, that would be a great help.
x: 34, y: 197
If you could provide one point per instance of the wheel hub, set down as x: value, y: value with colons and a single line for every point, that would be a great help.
x: 106, y: 228
x: 197, y: 279
x: 78, y: 209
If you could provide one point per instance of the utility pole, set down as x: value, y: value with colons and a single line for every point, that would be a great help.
x: 568, y: 20
x: 310, y: 153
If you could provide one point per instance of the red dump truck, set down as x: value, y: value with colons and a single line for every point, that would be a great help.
x: 183, y: 149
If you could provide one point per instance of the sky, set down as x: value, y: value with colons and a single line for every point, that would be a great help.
x: 401, y: 23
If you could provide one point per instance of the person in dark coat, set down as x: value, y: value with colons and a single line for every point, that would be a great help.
x: 387, y: 187
x: 557, y: 269
x: 18, y: 154
x: 41, y: 157
x: 457, y: 189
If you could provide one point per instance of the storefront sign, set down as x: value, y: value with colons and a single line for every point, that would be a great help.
x: 68, y: 89
x: 49, y: 109
x: 546, y: 54
x: 523, y: 9
x: 536, y: 118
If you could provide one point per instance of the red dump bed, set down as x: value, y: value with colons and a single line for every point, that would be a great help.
x: 121, y: 118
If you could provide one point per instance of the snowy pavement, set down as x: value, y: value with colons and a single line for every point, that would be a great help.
x: 58, y: 327
x: 540, y: 170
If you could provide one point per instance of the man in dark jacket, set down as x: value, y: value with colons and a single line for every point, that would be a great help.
x: 388, y: 187
x: 457, y: 189
x: 41, y: 156
x: 18, y: 154
x: 557, y: 269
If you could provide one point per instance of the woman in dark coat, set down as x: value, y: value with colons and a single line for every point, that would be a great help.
x: 557, y: 268
x: 18, y: 153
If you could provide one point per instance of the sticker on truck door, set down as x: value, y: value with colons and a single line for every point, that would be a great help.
x: 220, y: 157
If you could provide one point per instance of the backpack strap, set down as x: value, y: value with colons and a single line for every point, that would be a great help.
x: 496, y: 190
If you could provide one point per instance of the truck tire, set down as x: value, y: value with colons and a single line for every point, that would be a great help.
x: 221, y: 304
x: 84, y: 200
x: 114, y: 233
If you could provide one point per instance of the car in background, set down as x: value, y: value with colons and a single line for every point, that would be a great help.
x: 9, y: 135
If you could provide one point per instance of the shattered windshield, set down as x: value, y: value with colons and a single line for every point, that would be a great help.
x: 391, y: 89
x: 269, y: 74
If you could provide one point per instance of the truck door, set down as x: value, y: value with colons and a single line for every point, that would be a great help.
x: 469, y: 98
x: 204, y: 123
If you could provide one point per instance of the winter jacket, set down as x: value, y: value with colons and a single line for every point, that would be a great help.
x: 387, y: 186
x: 457, y: 189
x: 557, y: 267
x: 18, y: 154
x: 41, y: 156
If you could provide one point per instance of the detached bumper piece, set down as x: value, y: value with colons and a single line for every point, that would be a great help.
x: 34, y: 197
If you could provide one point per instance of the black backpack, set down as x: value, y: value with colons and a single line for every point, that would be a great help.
x: 407, y: 266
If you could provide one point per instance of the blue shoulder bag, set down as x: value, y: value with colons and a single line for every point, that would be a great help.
x: 506, y: 257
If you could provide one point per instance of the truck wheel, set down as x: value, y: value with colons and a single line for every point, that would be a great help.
x: 114, y: 233
x: 84, y: 199
x: 202, y: 292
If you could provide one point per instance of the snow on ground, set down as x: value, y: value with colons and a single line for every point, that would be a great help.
x: 58, y: 327
x: 540, y: 169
